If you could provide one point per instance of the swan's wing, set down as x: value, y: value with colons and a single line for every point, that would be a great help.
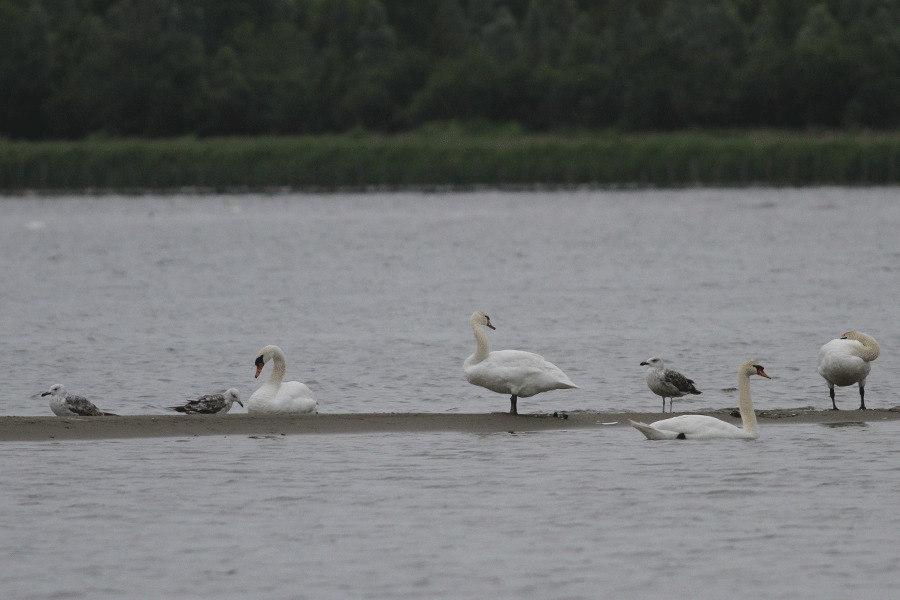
x: 522, y: 373
x: 840, y: 364
x: 697, y: 427
x: 297, y: 397
x: 651, y: 433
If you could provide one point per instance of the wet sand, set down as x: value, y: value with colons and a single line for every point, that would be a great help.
x: 139, y: 426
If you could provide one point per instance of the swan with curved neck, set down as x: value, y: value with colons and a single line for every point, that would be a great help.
x: 846, y: 361
x: 702, y: 427
x: 513, y: 372
x: 275, y: 397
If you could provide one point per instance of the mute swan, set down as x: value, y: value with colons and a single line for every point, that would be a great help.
x: 275, y: 396
x: 64, y: 404
x: 666, y: 382
x: 210, y: 404
x: 846, y: 361
x: 510, y: 371
x: 702, y: 427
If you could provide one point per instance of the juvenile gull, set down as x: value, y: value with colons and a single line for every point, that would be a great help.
x: 666, y: 382
x: 846, y: 361
x: 210, y: 404
x: 64, y: 404
x: 511, y: 372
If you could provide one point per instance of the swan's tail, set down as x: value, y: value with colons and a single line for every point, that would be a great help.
x: 651, y: 433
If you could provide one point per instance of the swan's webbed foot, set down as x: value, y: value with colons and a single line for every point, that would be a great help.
x: 512, y: 405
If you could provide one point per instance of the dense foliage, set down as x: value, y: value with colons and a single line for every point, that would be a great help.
x: 71, y: 68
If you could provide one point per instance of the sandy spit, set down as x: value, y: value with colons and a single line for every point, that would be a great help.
x: 140, y: 426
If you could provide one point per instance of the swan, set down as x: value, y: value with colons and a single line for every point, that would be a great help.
x: 218, y: 404
x: 846, y: 361
x: 511, y: 372
x: 275, y: 396
x: 64, y: 404
x: 666, y: 382
x: 702, y: 427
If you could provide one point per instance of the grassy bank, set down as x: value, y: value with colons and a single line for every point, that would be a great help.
x: 451, y: 158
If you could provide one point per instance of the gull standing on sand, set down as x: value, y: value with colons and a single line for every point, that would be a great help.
x: 211, y: 404
x: 64, y: 404
x: 846, y: 361
x: 666, y: 382
x: 511, y: 372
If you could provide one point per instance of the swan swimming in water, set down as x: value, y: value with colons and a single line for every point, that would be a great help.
x: 702, y: 427
x: 846, y: 361
x: 277, y: 397
x: 211, y: 404
x: 511, y: 372
x: 666, y: 382
x: 64, y: 404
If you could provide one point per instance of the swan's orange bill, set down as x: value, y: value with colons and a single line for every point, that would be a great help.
x: 758, y: 372
x: 260, y: 368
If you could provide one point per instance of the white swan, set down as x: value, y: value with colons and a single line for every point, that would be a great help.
x: 511, y: 372
x: 666, y: 382
x: 846, y: 361
x: 64, y: 404
x: 211, y: 404
x: 702, y: 427
x: 275, y: 396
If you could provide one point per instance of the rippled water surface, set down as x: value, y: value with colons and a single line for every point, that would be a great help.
x: 807, y: 511
x: 142, y: 302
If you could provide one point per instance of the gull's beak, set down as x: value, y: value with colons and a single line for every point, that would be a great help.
x: 239, y: 402
x: 45, y: 394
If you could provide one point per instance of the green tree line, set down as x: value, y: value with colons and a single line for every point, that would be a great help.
x: 159, y: 68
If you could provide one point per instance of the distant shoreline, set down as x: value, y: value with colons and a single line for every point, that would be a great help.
x: 18, y: 429
x: 435, y: 162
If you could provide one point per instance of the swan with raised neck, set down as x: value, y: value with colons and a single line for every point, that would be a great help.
x: 276, y: 396
x: 846, y: 361
x: 512, y: 372
x: 702, y: 427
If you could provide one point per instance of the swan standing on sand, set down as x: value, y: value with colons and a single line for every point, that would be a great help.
x: 275, y: 396
x: 702, y: 427
x: 846, y: 361
x: 64, y: 404
x: 511, y: 372
x: 666, y: 382
x: 211, y: 404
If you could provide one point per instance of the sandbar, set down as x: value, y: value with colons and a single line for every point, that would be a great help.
x: 143, y: 426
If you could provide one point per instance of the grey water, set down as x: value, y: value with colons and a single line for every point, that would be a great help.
x: 139, y: 303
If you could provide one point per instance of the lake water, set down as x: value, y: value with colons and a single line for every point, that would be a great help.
x: 142, y: 302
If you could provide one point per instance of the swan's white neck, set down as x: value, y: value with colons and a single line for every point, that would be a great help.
x: 484, y: 348
x: 748, y: 415
x: 870, y: 350
x: 278, y: 369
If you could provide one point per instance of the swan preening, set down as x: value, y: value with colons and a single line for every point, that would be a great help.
x: 277, y: 397
x: 511, y: 372
x: 64, y: 404
x: 217, y: 404
x: 846, y: 361
x: 702, y: 427
x: 666, y: 382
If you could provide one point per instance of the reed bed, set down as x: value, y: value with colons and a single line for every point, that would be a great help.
x: 454, y: 161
